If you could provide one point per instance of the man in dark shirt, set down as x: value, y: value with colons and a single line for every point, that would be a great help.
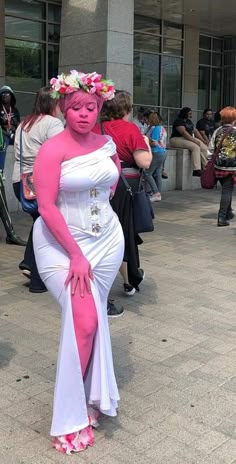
x: 206, y: 125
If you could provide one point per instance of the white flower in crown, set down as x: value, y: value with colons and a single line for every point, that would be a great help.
x: 91, y: 83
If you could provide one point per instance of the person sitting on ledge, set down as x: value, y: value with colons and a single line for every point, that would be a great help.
x: 185, y: 135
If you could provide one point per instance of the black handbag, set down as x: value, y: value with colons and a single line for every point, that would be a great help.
x: 142, y: 208
x: 27, y: 194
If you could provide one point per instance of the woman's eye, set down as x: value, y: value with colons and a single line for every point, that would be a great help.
x: 75, y: 108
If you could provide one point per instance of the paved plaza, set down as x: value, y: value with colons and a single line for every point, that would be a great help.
x: 174, y: 349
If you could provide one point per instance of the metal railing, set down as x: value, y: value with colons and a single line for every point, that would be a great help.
x: 168, y: 114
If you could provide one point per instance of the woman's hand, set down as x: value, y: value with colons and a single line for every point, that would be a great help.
x: 80, y: 274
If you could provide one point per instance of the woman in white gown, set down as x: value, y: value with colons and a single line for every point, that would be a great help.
x: 78, y: 244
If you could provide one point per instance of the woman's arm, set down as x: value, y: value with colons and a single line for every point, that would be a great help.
x: 182, y: 131
x: 116, y: 160
x: 199, y: 136
x: 142, y: 158
x: 47, y: 171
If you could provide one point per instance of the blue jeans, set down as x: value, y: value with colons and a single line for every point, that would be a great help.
x: 152, y: 175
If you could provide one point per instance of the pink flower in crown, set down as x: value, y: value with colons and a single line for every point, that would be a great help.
x: 95, y: 77
x: 98, y: 86
x: 53, y: 81
x: 62, y: 89
x: 69, y: 89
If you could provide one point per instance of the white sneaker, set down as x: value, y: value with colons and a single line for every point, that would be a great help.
x: 129, y: 290
x: 155, y: 197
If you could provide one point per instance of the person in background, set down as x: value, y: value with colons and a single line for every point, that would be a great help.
x: 140, y: 120
x: 217, y: 119
x: 157, y: 139
x: 184, y: 135
x: 37, y: 127
x: 225, y: 164
x: 134, y: 154
x: 9, y: 120
x: 206, y: 125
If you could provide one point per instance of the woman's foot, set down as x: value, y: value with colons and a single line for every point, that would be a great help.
x: 164, y: 175
x: 222, y: 221
x: 197, y: 173
x: 12, y: 239
x: 74, y: 442
x: 129, y: 290
x: 155, y: 197
x: 26, y: 271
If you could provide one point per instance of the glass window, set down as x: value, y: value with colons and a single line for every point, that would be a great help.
x: 146, y: 78
x: 53, y: 60
x: 217, y: 45
x: 229, y: 59
x: 228, y: 94
x: 172, y: 47
x: 54, y: 33
x: 25, y: 62
x: 204, y: 57
x: 24, y: 29
x: 205, y: 42
x: 24, y: 100
x: 147, y: 43
x: 203, y: 87
x: 173, y: 30
x: 230, y: 43
x: 216, y: 88
x: 146, y: 25
x: 216, y: 59
x: 171, y: 81
x: 32, y: 9
x: 54, y: 13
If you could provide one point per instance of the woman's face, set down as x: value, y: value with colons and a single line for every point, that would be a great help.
x: 82, y: 115
x: 190, y: 115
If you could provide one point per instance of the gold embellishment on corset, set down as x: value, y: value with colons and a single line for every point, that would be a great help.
x: 96, y: 228
x: 94, y: 192
x: 94, y: 210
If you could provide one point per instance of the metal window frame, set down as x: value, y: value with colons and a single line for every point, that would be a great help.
x: 161, y: 53
x: 46, y: 43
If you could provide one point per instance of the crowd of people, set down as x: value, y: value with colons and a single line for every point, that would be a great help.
x: 83, y: 231
x: 212, y: 131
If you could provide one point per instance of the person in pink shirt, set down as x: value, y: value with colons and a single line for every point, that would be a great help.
x: 79, y: 246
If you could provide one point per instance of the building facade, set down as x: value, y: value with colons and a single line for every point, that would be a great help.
x: 167, y: 53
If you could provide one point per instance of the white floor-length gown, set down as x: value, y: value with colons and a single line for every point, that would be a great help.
x: 83, y: 200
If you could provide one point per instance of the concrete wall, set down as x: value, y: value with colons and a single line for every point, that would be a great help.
x: 97, y: 35
x: 191, y: 64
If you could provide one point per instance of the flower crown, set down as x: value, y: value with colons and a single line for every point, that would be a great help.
x: 90, y: 83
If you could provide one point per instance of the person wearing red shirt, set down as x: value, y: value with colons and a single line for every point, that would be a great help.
x: 134, y: 153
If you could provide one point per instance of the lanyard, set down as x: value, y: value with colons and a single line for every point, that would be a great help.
x: 8, y: 116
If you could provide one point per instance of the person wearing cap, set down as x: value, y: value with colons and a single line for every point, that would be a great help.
x: 9, y: 120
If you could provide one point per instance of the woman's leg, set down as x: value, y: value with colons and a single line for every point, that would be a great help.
x: 6, y: 218
x: 204, y: 154
x: 148, y: 174
x: 181, y: 142
x: 158, y: 172
x: 85, y: 324
x: 29, y: 262
x: 227, y: 185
